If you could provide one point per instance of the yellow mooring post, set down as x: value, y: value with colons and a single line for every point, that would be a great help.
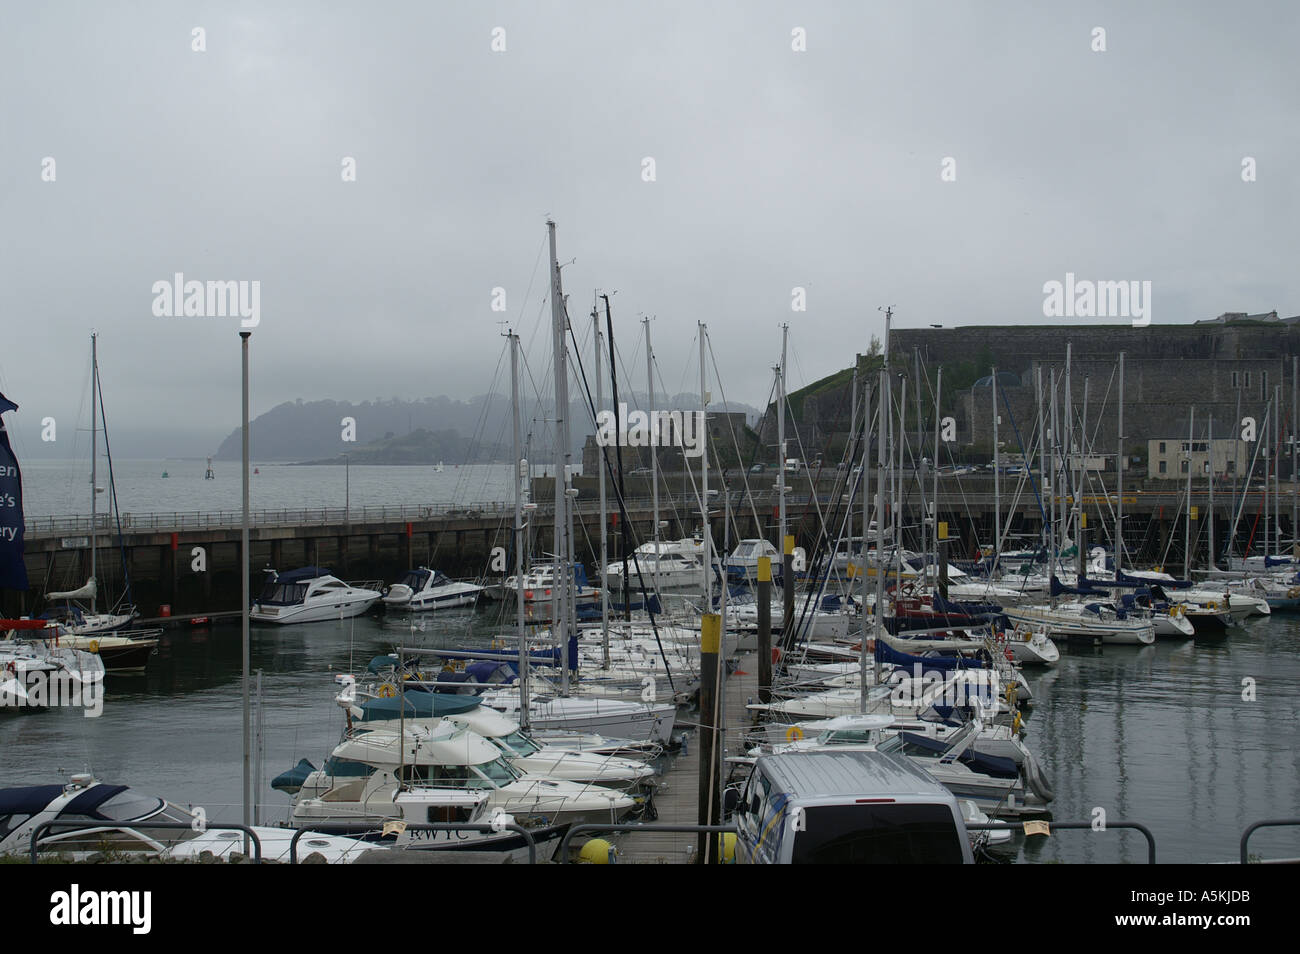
x: 764, y: 629
x: 710, y: 812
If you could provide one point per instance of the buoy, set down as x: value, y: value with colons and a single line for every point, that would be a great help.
x: 728, y: 847
x: 597, y: 852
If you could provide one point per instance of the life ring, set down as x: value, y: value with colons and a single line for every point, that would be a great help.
x: 1011, y: 657
x: 386, y: 691
x: 93, y: 645
x: 1212, y: 605
x: 793, y: 734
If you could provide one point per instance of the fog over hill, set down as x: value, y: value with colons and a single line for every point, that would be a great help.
x: 458, y: 431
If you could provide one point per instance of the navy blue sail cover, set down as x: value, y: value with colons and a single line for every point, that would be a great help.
x: 13, y: 570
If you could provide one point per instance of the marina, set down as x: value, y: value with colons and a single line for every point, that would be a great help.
x: 649, y: 435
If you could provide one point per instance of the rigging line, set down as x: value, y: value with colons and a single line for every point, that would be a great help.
x: 112, y: 486
x: 744, y: 472
x: 618, y: 491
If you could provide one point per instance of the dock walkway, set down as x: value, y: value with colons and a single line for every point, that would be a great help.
x: 677, y: 798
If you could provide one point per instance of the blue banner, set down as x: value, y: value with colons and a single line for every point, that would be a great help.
x: 13, y: 570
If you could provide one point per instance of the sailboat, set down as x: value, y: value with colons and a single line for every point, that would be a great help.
x: 104, y: 634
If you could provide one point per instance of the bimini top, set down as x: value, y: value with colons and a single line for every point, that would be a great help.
x: 304, y: 573
x: 857, y: 774
x: 29, y: 799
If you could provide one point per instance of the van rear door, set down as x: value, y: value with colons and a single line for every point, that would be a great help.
x: 875, y: 832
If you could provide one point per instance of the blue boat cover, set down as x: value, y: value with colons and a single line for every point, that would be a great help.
x: 419, y: 705
x: 888, y: 654
x: 996, y: 766
x: 27, y: 800
x: 293, y: 779
x: 302, y: 573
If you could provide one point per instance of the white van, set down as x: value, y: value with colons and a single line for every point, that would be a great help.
x: 847, y: 808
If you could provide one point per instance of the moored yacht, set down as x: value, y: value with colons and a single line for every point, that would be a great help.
x: 308, y: 595
x: 425, y: 589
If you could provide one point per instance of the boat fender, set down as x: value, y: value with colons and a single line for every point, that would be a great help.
x: 1037, y: 784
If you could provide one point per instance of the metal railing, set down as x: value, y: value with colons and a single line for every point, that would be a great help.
x: 70, y: 826
x: 632, y: 827
x: 1078, y: 826
x: 364, y: 828
x: 1267, y: 823
x: 339, y: 516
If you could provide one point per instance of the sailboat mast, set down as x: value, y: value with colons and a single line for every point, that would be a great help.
x: 521, y: 489
x: 1277, y: 472
x: 934, y: 497
x: 882, y: 478
x: 1210, y: 524
x: 597, y: 342
x: 704, y: 479
x: 1191, y: 442
x: 654, y: 454
x: 563, y: 574
x: 94, y: 461
x: 865, y: 477
x: 780, y: 443
x: 1119, y: 475
x: 997, y: 474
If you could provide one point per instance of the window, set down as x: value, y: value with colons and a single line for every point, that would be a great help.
x: 1232, y: 466
x: 1263, y: 385
x: 1248, y: 379
x: 878, y: 834
x: 1162, y: 447
x: 1185, y: 464
x: 1236, y: 383
x: 1164, y: 467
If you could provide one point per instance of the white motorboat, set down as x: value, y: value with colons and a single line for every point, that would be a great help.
x: 425, y: 589
x: 380, y: 766
x: 535, y: 758
x: 120, y: 819
x: 617, y: 718
x: 43, y: 671
x: 309, y: 595
x: 742, y: 564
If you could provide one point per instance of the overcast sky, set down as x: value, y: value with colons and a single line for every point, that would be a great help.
x: 774, y: 168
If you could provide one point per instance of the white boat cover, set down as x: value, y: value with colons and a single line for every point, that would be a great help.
x: 86, y: 592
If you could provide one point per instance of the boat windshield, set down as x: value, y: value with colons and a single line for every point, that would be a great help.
x: 496, y: 772
x: 415, y: 578
x: 283, y: 594
x: 519, y: 744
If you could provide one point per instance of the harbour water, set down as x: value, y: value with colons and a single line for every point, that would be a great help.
x: 1159, y: 735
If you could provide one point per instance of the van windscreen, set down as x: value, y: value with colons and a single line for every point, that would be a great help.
x: 878, y: 834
